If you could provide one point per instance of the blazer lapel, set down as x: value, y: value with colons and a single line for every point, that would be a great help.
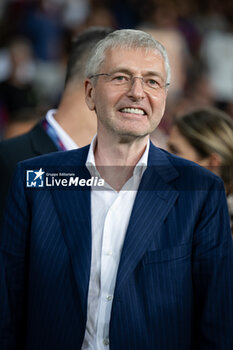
x: 74, y: 211
x: 154, y: 200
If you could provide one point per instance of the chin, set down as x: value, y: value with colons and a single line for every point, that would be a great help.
x: 132, y: 134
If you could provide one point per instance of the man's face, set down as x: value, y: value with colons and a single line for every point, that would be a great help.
x: 128, y: 107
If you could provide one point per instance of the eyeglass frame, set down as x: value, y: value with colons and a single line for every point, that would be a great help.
x: 131, y: 77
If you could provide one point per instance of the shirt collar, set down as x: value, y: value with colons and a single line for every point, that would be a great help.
x: 90, y: 162
x: 61, y: 133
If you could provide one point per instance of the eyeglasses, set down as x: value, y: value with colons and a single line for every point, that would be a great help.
x: 120, y: 79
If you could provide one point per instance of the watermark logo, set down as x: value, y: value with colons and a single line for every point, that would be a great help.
x: 35, y: 178
x: 43, y: 179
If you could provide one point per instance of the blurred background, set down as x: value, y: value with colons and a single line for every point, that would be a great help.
x: 35, y: 38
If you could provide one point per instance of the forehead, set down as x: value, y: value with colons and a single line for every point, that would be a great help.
x: 137, y: 60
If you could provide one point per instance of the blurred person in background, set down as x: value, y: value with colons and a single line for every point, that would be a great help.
x: 197, y: 92
x: 217, y: 53
x: 100, y: 15
x: 216, y: 50
x: 41, y: 23
x: 3, y: 4
x: 71, y: 126
x: 17, y: 92
x: 22, y: 122
x: 205, y: 136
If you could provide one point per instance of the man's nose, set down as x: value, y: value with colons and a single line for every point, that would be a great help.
x: 136, y: 88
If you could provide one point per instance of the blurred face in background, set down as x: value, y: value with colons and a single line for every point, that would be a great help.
x: 180, y: 146
x: 22, y: 62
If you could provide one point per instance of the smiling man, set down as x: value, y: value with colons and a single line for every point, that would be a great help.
x: 145, y: 262
x: 134, y: 88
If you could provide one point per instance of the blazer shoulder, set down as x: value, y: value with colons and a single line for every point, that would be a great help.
x: 31, y: 144
x: 61, y: 158
x: 14, y: 150
x: 190, y: 174
x: 9, y: 146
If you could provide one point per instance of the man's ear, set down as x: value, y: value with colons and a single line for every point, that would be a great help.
x: 89, y: 94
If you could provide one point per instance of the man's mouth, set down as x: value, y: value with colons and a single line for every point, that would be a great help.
x: 138, y: 111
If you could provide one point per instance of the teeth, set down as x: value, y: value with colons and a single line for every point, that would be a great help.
x: 133, y: 110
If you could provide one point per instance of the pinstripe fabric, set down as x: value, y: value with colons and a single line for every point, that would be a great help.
x: 174, y: 288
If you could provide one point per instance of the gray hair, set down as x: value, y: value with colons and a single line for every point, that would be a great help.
x: 125, y: 38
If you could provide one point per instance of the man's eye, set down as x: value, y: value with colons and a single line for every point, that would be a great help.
x: 120, y: 78
x: 153, y: 83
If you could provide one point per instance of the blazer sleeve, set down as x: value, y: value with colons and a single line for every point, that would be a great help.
x: 213, y: 274
x: 13, y: 248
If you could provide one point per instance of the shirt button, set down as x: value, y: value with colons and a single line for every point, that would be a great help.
x: 109, y: 297
x: 106, y: 341
x: 109, y: 253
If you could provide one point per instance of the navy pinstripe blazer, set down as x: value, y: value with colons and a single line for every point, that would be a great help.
x: 174, y: 288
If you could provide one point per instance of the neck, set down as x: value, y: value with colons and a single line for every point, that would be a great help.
x: 121, y: 154
x: 75, y: 118
x: 115, y: 161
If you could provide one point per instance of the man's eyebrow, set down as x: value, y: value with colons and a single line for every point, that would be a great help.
x: 129, y: 72
x: 154, y: 74
x: 121, y: 70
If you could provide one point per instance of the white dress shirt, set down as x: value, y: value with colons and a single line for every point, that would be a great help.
x: 110, y: 214
x: 67, y: 141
